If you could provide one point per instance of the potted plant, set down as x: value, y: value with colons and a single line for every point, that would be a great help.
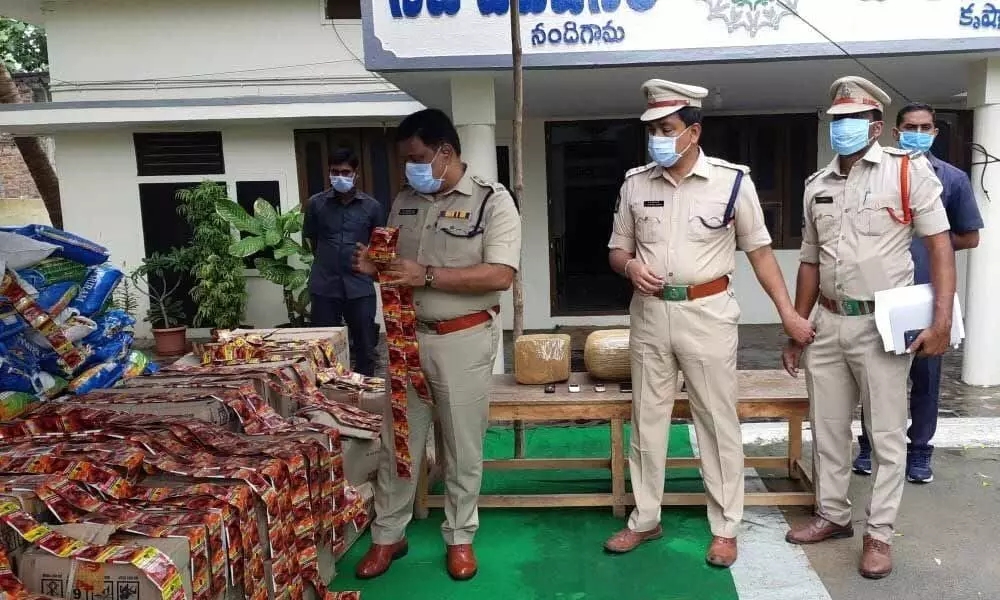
x: 166, y: 313
x: 270, y: 230
x: 220, y: 292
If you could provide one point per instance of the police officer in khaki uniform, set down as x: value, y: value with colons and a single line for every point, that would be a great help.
x: 459, y: 246
x: 678, y: 223
x: 855, y: 242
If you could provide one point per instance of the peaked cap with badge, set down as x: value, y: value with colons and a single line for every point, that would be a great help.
x: 664, y: 98
x: 852, y: 95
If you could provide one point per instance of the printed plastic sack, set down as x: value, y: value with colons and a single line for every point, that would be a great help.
x: 109, y: 325
x: 98, y: 377
x: 15, y: 404
x: 20, y: 252
x: 16, y: 376
x: 69, y: 246
x: 136, y: 364
x: 75, y: 328
x: 55, y: 298
x: 11, y: 322
x: 113, y: 349
x: 97, y: 288
x: 53, y: 269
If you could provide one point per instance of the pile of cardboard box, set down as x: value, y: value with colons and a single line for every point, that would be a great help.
x: 203, y: 481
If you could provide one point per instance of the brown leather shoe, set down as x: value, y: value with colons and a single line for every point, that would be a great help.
x: 818, y: 530
x: 627, y: 540
x: 721, y: 552
x: 462, y: 562
x: 876, y: 560
x: 379, y: 558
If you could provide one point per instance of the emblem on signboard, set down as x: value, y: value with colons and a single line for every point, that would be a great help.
x: 752, y: 15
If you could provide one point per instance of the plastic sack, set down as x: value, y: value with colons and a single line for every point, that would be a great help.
x: 136, y: 364
x: 97, y: 377
x: 109, y: 325
x: 97, y: 288
x: 151, y: 368
x: 52, y: 270
x: 55, y: 298
x: 541, y: 359
x: 16, y: 376
x: 20, y: 252
x: 75, y: 328
x: 72, y: 247
x: 113, y: 349
x: 606, y: 355
x: 15, y: 404
x: 11, y: 322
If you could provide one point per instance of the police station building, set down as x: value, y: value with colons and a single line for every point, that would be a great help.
x: 768, y: 66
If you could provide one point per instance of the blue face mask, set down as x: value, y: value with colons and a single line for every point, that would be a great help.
x: 342, y: 184
x: 916, y: 141
x: 849, y: 136
x: 663, y: 150
x: 421, y: 177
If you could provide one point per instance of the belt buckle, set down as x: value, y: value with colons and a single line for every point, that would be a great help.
x: 675, y: 293
x: 851, y: 308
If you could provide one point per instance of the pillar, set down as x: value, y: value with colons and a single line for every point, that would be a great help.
x: 473, y: 110
x: 980, y: 365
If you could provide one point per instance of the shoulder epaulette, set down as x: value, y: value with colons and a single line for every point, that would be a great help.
x: 497, y: 187
x: 639, y: 170
x: 718, y: 162
x: 812, y: 177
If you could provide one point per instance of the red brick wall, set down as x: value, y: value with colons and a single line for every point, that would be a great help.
x: 15, y: 181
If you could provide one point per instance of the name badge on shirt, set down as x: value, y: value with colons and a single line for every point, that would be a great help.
x: 408, y: 211
x: 824, y: 199
x: 455, y: 214
x: 653, y: 204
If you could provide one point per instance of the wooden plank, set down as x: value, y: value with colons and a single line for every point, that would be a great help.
x: 536, y: 464
x: 618, y: 465
x: 535, y: 500
x: 794, y: 444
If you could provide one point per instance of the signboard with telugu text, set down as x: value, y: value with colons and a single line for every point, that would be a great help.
x: 458, y: 34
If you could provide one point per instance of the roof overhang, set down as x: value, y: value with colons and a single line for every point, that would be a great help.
x: 53, y: 117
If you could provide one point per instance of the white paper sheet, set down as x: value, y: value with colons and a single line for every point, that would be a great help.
x: 899, y: 310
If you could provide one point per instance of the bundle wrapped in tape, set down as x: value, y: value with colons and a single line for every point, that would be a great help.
x: 541, y: 358
x: 606, y: 355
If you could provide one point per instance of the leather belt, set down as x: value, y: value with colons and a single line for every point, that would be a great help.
x: 677, y: 293
x: 847, y: 307
x: 463, y: 322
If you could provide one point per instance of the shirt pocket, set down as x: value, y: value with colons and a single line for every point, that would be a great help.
x: 649, y: 228
x: 459, y: 244
x: 874, y: 219
x: 707, y: 221
x: 826, y: 217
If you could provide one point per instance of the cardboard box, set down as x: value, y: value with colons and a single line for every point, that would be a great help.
x: 336, y: 335
x: 44, y: 573
x: 373, y: 402
x: 206, y: 408
x: 351, y: 532
x: 360, y: 448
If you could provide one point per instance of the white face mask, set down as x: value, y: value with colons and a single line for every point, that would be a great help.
x: 663, y: 149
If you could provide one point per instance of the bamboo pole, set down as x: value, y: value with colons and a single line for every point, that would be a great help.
x: 518, y: 176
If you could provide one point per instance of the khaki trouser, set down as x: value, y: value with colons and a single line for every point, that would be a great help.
x: 459, y: 368
x: 846, y: 362
x: 699, y: 337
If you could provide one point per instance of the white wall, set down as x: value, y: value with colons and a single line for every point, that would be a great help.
x: 100, y: 194
x: 263, y: 47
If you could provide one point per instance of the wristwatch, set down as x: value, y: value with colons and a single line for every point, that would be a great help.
x: 428, y: 277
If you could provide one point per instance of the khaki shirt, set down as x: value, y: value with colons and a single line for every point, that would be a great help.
x: 440, y: 230
x: 860, y: 249
x: 657, y: 219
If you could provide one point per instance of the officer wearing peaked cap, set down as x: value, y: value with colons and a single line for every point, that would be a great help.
x: 861, y: 213
x: 678, y: 223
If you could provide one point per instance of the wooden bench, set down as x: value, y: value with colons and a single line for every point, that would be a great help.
x: 762, y: 395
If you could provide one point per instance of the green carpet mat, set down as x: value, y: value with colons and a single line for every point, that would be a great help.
x: 556, y: 554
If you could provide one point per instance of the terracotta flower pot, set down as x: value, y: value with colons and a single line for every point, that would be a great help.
x: 171, y: 342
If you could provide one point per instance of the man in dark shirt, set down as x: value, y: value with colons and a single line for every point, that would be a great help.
x: 336, y: 220
x: 915, y: 131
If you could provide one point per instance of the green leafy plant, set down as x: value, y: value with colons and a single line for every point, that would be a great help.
x: 151, y: 280
x: 124, y: 297
x: 220, y: 291
x: 271, y: 230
